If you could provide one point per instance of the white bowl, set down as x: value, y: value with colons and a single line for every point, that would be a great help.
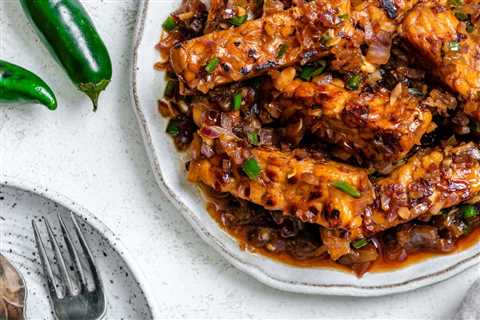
x: 147, y: 87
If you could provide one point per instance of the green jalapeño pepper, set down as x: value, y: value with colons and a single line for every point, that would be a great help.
x: 20, y: 85
x: 69, y: 33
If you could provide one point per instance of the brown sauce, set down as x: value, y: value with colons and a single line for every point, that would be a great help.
x: 380, y: 265
x: 462, y: 244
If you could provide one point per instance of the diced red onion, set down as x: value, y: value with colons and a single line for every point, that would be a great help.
x: 266, y: 136
x: 226, y: 121
x: 211, y: 132
x: 206, y: 150
x: 379, y: 48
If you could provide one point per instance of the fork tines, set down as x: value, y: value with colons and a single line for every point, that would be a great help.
x: 66, y: 284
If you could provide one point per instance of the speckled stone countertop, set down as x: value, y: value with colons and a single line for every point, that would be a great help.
x: 99, y: 160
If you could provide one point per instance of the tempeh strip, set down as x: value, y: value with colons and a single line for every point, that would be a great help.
x: 429, y: 182
x: 300, y: 187
x: 452, y: 53
x: 381, y: 126
x: 258, y: 46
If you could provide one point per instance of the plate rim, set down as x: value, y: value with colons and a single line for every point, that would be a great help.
x: 81, y: 212
x: 250, y: 269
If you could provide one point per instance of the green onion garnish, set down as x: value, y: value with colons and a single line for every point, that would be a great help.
x: 236, y: 101
x: 360, y: 243
x: 353, y: 83
x: 454, y: 46
x: 325, y: 38
x: 416, y: 92
x: 469, y: 27
x: 172, y: 127
x: 238, y: 20
x: 169, y: 24
x: 462, y: 16
x: 343, y: 16
x: 308, y: 72
x: 251, y: 168
x: 282, y: 49
x: 212, y: 64
x: 170, y: 89
x: 253, y: 138
x: 455, y: 3
x: 469, y: 211
x: 347, y: 188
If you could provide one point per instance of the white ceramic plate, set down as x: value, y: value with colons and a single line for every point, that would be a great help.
x: 21, y: 202
x: 147, y: 87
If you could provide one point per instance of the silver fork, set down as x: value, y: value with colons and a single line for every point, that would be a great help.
x: 72, y: 296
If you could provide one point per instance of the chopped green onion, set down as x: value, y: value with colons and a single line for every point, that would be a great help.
x: 238, y: 20
x: 344, y: 16
x: 469, y: 27
x: 308, y: 72
x: 416, y: 92
x: 251, y: 168
x: 282, y: 49
x: 253, y: 138
x: 470, y: 211
x: 461, y: 16
x: 170, y: 89
x: 325, y: 38
x: 212, y: 64
x: 236, y: 101
x: 172, y: 127
x: 169, y: 24
x: 360, y: 243
x: 454, y: 46
x: 353, y: 83
x: 466, y: 229
x: 347, y: 188
x: 322, y: 66
x: 455, y: 3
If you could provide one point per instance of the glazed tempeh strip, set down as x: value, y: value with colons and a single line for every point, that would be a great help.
x: 427, y: 183
x: 379, y: 19
x: 381, y: 127
x: 299, y: 187
x: 443, y: 41
x: 258, y: 46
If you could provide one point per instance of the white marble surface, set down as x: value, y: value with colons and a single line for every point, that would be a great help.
x: 99, y: 160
